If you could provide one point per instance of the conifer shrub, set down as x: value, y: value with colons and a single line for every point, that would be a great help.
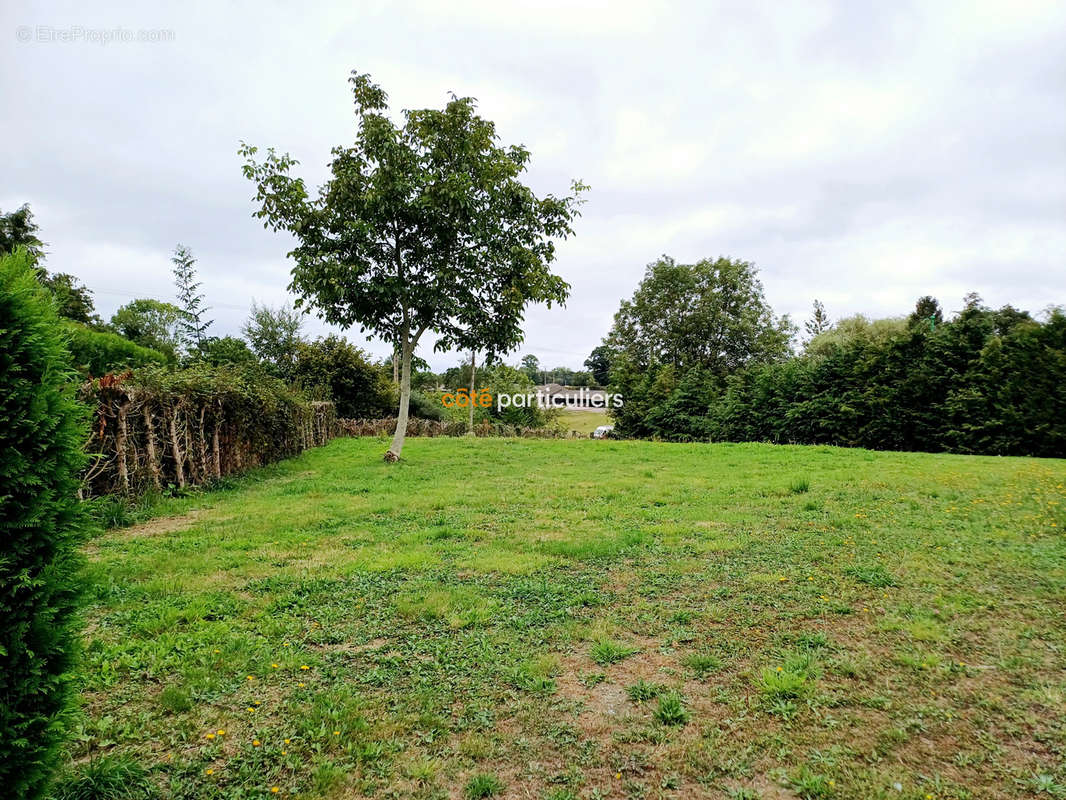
x: 42, y: 431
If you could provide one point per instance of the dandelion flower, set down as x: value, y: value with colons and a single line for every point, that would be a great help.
x: 251, y: 677
x: 286, y: 741
x: 221, y: 732
x: 336, y: 733
x: 209, y: 771
x: 256, y: 743
x: 210, y: 736
x: 275, y: 666
x: 304, y: 666
x: 301, y: 685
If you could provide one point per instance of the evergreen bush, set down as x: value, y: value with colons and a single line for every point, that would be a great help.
x: 42, y: 431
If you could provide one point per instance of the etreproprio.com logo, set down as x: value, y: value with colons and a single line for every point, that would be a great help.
x: 582, y: 398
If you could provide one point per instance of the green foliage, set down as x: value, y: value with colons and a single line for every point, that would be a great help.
x: 482, y: 785
x: 333, y: 369
x: 985, y: 382
x: 427, y: 406
x: 671, y: 710
x: 261, y: 419
x: 810, y: 786
x: 497, y: 379
x: 712, y: 315
x: 686, y: 328
x: 599, y: 364
x: 778, y: 683
x: 819, y: 321
x: 175, y: 700
x: 150, y: 323
x: 72, y: 299
x: 225, y: 350
x: 97, y: 353
x: 274, y: 334
x: 41, y: 441
x: 703, y: 664
x: 421, y: 227
x: 531, y: 366
x: 642, y: 691
x: 856, y: 329
x: 107, y: 778
x: 872, y: 575
x: 17, y: 229
x: 926, y: 314
x: 193, y: 324
x: 606, y: 652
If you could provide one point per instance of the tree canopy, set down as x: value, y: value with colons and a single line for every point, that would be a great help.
x: 274, y: 334
x: 150, y: 323
x: 422, y: 226
x: 712, y: 315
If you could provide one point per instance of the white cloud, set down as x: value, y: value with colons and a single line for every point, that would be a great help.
x: 861, y: 154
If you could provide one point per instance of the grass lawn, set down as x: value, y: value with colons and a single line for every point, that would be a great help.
x: 591, y: 619
x: 582, y: 421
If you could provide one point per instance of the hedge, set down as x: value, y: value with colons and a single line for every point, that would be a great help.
x: 159, y: 429
x: 42, y: 432
x: 97, y: 352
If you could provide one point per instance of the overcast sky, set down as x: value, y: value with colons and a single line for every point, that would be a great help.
x: 860, y: 153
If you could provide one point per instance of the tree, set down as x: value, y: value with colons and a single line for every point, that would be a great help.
x: 926, y: 313
x: 422, y: 227
x: 333, y: 369
x: 73, y: 299
x: 150, y: 323
x: 857, y: 327
x: 17, y: 229
x: 531, y: 366
x: 274, y: 334
x: 41, y: 459
x: 599, y: 364
x: 225, y: 350
x: 819, y: 321
x: 193, y: 325
x: 711, y: 314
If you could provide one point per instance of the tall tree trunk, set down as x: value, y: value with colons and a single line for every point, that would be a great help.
x: 396, y: 365
x: 396, y: 448
x: 179, y: 467
x: 153, y: 458
x: 473, y: 364
x: 121, y: 436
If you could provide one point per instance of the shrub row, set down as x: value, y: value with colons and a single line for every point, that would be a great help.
x: 430, y: 427
x: 991, y: 382
x: 99, y: 352
x: 156, y: 429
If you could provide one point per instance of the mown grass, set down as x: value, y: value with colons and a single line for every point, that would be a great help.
x: 581, y: 420
x: 536, y: 618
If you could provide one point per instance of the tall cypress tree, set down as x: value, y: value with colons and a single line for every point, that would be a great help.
x: 42, y: 431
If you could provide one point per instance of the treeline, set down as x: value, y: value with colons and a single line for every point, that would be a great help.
x: 148, y: 333
x: 986, y: 381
